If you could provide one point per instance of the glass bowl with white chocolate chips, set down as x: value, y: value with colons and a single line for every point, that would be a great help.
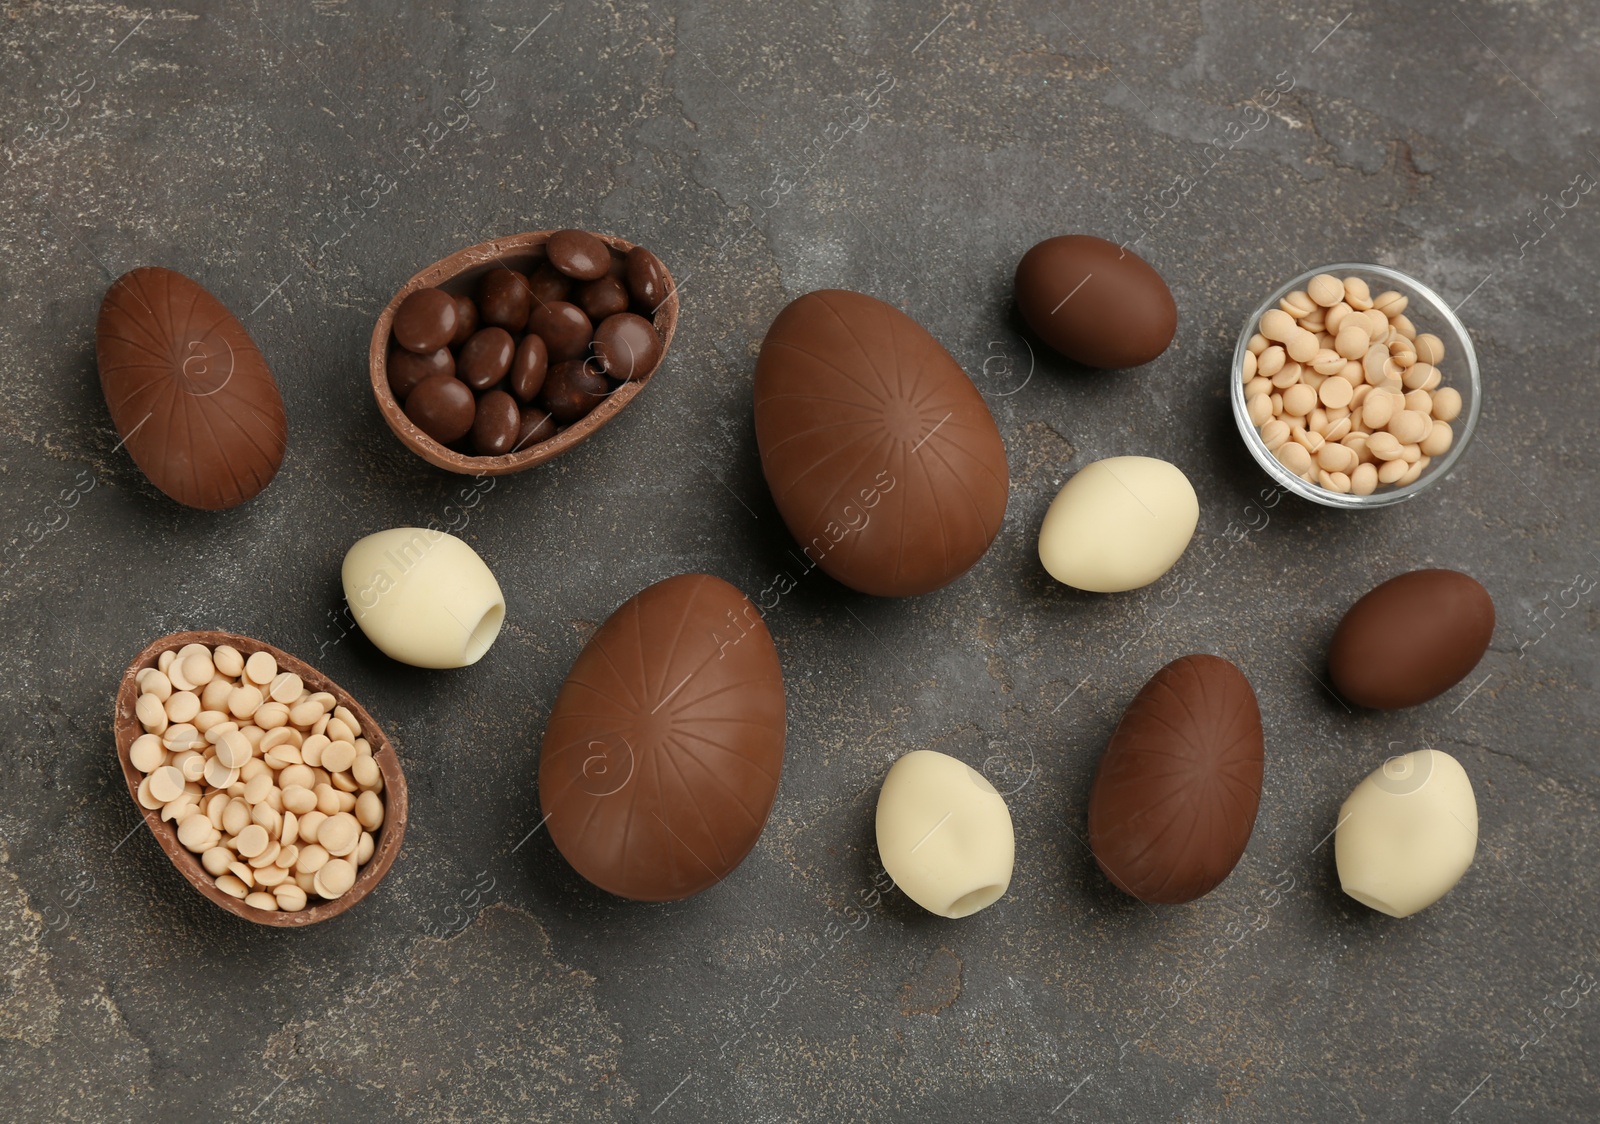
x: 1355, y: 386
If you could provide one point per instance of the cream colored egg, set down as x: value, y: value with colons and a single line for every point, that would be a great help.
x: 1407, y: 833
x: 944, y: 834
x: 1118, y: 524
x: 424, y: 597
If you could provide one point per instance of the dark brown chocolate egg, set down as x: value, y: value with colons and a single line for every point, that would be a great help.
x: 485, y: 358
x: 1095, y: 302
x: 605, y: 297
x: 466, y: 321
x: 504, y: 299
x: 1411, y: 639
x: 1174, y: 800
x: 189, y: 393
x: 496, y: 424
x: 882, y: 457
x: 536, y: 425
x: 528, y: 368
x: 647, y: 280
x: 547, y: 284
x: 663, y: 750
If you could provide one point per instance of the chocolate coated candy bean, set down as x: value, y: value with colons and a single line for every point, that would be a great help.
x: 536, y: 426
x: 443, y: 408
x: 485, y: 358
x: 425, y: 321
x: 602, y: 298
x: 548, y: 284
x: 407, y: 369
x: 528, y: 368
x: 579, y: 254
x: 571, y: 390
x: 466, y: 320
x: 564, y: 328
x: 504, y: 299
x: 647, y: 280
x: 626, y: 346
x: 494, y: 433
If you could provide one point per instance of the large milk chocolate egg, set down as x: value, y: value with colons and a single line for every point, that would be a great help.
x: 1413, y: 637
x: 1175, y: 797
x: 189, y: 393
x: 882, y: 457
x: 662, y: 753
x: 1095, y: 302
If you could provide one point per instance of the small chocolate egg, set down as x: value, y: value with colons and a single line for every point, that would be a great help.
x: 579, y: 254
x: 485, y: 358
x: 504, y: 299
x: 1411, y: 639
x: 571, y: 390
x: 1095, y: 302
x: 528, y: 368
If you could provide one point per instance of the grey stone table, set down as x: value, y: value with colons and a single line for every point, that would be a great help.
x: 303, y: 163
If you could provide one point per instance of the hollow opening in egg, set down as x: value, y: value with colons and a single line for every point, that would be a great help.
x: 971, y: 903
x: 483, y: 634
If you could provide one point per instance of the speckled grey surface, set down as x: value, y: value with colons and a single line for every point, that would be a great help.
x: 912, y: 153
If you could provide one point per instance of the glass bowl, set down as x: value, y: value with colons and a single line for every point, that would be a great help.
x: 1429, y: 313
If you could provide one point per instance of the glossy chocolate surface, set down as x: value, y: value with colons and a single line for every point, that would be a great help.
x: 578, y: 254
x: 1411, y: 639
x: 626, y: 345
x: 425, y: 321
x: 443, y: 408
x: 407, y: 369
x: 1095, y: 302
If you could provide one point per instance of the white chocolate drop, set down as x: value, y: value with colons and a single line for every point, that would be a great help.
x: 1407, y: 833
x: 944, y: 834
x: 424, y: 597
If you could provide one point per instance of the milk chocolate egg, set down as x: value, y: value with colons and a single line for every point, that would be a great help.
x: 662, y: 752
x: 882, y: 457
x: 189, y: 393
x: 1095, y: 302
x: 1410, y: 639
x: 1174, y: 800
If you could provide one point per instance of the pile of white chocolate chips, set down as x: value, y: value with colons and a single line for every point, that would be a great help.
x: 271, y: 784
x: 1344, y: 390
